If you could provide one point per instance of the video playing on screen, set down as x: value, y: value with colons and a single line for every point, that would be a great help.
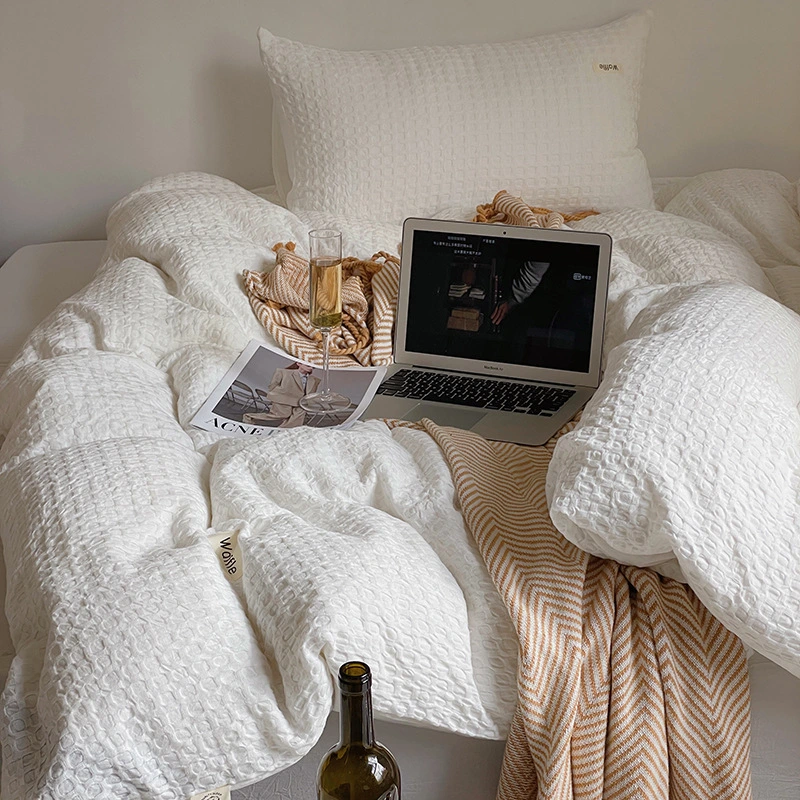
x: 494, y: 298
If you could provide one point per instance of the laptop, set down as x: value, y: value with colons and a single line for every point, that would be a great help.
x: 499, y: 329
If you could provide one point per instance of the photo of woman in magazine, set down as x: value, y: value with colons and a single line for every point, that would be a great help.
x: 287, y: 387
x: 261, y: 392
x: 276, y: 404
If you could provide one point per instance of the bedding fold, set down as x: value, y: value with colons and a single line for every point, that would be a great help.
x: 690, y: 450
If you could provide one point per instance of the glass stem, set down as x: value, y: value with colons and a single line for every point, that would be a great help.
x: 325, y: 388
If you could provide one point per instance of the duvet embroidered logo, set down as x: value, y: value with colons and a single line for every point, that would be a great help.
x: 608, y: 67
x: 227, y: 549
x: 223, y: 793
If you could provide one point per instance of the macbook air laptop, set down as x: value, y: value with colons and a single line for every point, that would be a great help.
x: 499, y: 329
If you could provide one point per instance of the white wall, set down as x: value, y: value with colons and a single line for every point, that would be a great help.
x: 97, y: 96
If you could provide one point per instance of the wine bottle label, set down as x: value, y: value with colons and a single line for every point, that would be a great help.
x: 226, y: 546
x: 222, y: 793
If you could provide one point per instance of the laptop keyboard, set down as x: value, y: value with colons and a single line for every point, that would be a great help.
x: 462, y: 390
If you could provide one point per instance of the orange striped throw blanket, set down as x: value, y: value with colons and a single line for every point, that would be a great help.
x: 628, y: 688
x: 369, y: 293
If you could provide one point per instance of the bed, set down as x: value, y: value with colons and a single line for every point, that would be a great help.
x: 139, y: 671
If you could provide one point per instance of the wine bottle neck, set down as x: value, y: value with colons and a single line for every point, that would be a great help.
x: 355, y: 718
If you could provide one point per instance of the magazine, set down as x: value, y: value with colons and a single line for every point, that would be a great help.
x: 260, y: 394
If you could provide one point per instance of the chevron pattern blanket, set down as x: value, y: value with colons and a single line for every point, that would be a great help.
x: 628, y: 687
x: 279, y: 298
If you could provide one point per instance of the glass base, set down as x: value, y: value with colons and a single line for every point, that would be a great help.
x: 319, y: 403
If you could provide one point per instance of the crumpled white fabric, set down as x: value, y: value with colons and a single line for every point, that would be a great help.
x: 139, y: 668
x: 690, y: 449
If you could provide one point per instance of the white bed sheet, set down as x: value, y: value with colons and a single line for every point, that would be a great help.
x: 776, y: 697
x: 33, y: 281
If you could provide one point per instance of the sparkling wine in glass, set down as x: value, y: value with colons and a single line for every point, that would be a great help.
x: 325, y: 311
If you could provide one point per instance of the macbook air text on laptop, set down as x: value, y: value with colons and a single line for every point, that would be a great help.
x: 499, y: 329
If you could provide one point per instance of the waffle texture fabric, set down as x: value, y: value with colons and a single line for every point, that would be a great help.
x: 397, y: 133
x: 139, y: 669
x: 690, y: 449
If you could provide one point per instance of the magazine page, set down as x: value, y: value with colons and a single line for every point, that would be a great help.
x: 260, y: 394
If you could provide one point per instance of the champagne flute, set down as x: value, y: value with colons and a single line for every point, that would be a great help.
x: 325, y: 311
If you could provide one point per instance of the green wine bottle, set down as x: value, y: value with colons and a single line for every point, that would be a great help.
x: 358, y: 768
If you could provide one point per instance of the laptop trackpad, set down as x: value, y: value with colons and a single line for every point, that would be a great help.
x: 444, y: 415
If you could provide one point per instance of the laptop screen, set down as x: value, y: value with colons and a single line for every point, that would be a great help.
x: 501, y: 299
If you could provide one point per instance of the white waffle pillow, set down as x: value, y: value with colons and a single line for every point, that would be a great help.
x: 388, y: 134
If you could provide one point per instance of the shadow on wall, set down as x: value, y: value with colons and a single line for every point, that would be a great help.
x: 239, y: 123
x: 221, y: 125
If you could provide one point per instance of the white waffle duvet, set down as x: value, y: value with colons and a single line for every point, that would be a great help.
x: 142, y: 672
